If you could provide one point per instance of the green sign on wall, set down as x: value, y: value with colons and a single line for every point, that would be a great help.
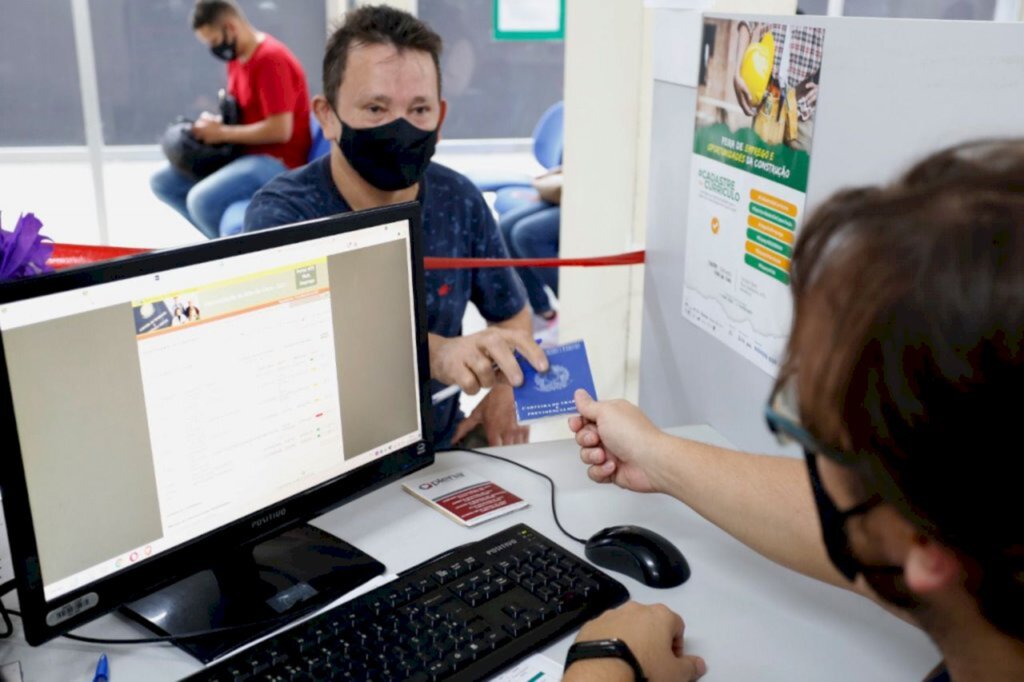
x: 529, y: 19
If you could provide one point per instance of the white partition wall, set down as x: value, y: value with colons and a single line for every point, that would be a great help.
x: 891, y: 91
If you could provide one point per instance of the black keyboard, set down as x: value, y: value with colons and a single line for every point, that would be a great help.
x: 463, y: 616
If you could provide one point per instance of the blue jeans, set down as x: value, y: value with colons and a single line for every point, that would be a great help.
x: 531, y: 231
x: 203, y: 203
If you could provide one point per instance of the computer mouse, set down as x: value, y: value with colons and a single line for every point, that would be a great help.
x: 640, y: 554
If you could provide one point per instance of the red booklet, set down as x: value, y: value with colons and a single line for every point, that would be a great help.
x: 464, y: 497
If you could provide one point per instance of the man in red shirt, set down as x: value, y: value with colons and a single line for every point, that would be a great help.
x: 270, y: 86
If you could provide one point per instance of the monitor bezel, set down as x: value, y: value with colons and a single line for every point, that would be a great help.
x: 136, y: 581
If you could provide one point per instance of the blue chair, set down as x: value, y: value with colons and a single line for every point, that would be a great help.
x: 234, y: 215
x: 514, y: 190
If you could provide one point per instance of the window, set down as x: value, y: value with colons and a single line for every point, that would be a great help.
x: 41, y: 102
x: 921, y: 9
x: 494, y: 88
x: 152, y: 69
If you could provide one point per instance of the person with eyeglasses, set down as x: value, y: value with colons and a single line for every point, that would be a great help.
x: 902, y: 383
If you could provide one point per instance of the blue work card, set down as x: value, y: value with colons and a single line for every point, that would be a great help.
x: 549, y: 394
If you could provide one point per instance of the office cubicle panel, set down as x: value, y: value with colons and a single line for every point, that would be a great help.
x: 891, y: 91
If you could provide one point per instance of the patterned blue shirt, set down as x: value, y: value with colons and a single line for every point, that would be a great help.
x: 456, y: 224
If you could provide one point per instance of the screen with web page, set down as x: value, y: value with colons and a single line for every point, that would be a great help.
x: 152, y: 410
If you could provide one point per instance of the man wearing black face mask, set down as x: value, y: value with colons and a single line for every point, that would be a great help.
x: 901, y: 384
x: 382, y: 106
x: 270, y: 86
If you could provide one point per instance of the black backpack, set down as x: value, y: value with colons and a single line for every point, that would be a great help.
x: 197, y: 159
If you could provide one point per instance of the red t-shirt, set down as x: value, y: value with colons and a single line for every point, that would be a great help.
x: 271, y: 82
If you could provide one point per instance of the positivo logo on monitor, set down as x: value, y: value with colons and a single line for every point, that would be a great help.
x: 272, y: 516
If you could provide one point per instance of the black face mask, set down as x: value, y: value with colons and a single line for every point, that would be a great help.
x: 390, y: 157
x: 226, y: 50
x: 833, y: 530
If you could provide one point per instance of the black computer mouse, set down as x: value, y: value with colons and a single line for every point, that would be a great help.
x: 640, y: 554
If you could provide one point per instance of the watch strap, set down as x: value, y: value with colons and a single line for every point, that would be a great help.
x: 605, y: 648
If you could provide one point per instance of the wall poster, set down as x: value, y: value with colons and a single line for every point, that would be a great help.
x: 756, y: 100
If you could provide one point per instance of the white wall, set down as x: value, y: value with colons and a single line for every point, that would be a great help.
x: 608, y: 83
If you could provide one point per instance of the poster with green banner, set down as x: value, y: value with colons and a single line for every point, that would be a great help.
x: 756, y: 101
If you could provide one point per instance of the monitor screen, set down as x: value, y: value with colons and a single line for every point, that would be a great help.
x: 164, y: 401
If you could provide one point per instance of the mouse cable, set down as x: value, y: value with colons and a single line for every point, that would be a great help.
x: 170, y: 639
x: 554, y: 510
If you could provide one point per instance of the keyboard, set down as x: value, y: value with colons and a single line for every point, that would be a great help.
x: 463, y: 616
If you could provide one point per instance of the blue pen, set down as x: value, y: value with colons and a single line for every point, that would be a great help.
x: 102, y: 670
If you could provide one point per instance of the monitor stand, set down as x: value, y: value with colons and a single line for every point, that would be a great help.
x: 295, y: 572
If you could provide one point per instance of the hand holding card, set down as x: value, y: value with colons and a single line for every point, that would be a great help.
x: 550, y: 394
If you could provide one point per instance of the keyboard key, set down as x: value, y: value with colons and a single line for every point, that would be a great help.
x: 443, y: 576
x: 474, y: 597
x: 436, y: 670
x: 513, y: 610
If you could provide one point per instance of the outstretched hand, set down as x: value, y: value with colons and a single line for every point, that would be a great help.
x: 617, y: 442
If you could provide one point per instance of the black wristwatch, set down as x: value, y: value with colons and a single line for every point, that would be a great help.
x: 605, y: 648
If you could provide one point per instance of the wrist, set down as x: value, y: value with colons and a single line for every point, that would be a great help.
x: 663, y: 450
x: 613, y: 650
x: 599, y: 670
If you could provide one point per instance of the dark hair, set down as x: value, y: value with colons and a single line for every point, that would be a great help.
x: 209, y: 12
x: 907, y: 350
x: 376, y: 25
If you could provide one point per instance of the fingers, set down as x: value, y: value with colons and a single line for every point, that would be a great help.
x: 465, y: 426
x: 576, y: 423
x: 602, y: 473
x: 587, y: 406
x: 533, y: 353
x: 593, y: 455
x: 467, y: 381
x: 588, y: 437
x: 460, y: 432
x: 695, y: 667
x: 483, y: 369
x: 500, y: 354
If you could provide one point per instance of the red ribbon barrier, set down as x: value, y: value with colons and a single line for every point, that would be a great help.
x: 68, y: 255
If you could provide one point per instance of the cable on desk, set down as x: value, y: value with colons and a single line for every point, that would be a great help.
x: 5, y: 614
x: 554, y: 510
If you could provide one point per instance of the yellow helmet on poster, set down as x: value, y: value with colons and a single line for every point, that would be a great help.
x: 756, y: 66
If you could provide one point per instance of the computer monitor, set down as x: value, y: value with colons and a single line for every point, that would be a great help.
x: 171, y: 420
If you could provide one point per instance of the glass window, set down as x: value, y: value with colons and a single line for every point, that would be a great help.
x: 812, y: 6
x: 41, y: 103
x: 921, y: 9
x: 494, y: 88
x: 152, y: 69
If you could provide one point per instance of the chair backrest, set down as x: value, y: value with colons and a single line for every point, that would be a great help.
x: 549, y: 136
x: 321, y: 145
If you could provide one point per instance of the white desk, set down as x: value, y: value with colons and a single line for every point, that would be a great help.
x: 750, y: 619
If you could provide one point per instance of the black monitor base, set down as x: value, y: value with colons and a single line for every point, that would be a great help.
x: 295, y: 572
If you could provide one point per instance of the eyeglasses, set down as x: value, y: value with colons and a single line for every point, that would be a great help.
x: 783, y: 420
x: 780, y: 414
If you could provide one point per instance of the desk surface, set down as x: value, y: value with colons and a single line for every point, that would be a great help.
x: 748, y: 617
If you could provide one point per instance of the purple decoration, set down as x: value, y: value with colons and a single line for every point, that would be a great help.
x: 24, y: 252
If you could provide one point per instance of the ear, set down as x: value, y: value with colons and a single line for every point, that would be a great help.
x: 325, y: 115
x: 440, y: 120
x: 931, y: 567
